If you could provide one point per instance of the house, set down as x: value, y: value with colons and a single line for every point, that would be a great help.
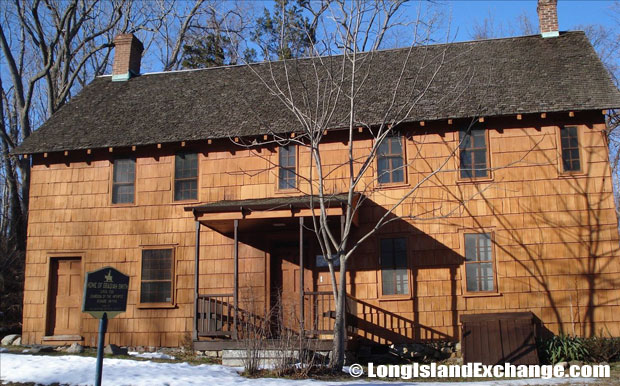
x: 145, y: 173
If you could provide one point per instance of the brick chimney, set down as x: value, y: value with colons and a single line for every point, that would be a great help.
x: 127, y: 56
x: 548, y: 18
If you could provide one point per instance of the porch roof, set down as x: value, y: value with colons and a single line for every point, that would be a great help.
x: 218, y: 215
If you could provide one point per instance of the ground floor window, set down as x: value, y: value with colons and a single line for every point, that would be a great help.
x: 156, y: 278
x: 394, y: 273
x: 479, y: 267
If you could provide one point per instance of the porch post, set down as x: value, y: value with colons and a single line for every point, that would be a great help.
x: 236, y: 290
x: 301, y: 275
x: 196, y: 278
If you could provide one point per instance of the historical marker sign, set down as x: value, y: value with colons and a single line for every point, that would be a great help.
x: 105, y: 296
x: 105, y: 290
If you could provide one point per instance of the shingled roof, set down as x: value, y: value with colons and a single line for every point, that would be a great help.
x: 519, y: 75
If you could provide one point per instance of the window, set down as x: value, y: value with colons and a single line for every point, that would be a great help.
x: 394, y: 274
x: 570, y: 149
x: 185, y: 176
x: 390, y: 165
x: 473, y: 153
x: 156, y: 279
x: 123, y: 181
x: 479, y: 262
x: 287, y: 175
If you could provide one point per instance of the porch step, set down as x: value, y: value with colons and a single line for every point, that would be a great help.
x: 268, y: 357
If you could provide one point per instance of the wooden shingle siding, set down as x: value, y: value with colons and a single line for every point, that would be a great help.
x: 556, y: 253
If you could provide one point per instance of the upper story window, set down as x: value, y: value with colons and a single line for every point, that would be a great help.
x: 479, y: 267
x: 123, y: 181
x: 287, y: 163
x: 570, y: 149
x: 394, y: 273
x: 185, y: 176
x: 390, y: 160
x: 473, y: 153
x: 156, y: 276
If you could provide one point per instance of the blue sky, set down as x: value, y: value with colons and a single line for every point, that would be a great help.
x: 571, y: 13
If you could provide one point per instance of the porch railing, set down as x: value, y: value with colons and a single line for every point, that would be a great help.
x: 216, y: 315
x: 320, y: 309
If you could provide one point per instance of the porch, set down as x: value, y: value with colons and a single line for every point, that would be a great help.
x: 292, y: 306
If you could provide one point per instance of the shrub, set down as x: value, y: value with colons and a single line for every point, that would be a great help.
x: 563, y: 348
x: 602, y: 349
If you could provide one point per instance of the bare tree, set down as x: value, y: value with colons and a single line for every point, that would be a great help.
x: 327, y: 92
x: 489, y: 28
x: 50, y: 50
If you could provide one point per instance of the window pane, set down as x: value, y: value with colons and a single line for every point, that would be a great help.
x: 402, y: 282
x: 124, y: 173
x: 186, y: 165
x: 185, y: 190
x: 479, y: 139
x: 156, y: 285
x: 471, y: 271
x: 484, y: 247
x: 185, y: 176
x: 390, y: 162
x: 156, y: 264
x: 464, y: 139
x: 156, y: 292
x: 124, y: 170
x: 394, y: 271
x: 470, y: 247
x: 287, y: 178
x: 396, y: 145
x: 382, y: 170
x: 570, y: 149
x: 473, y: 154
x: 389, y: 287
x: 479, y: 262
x: 486, y: 277
x: 384, y: 147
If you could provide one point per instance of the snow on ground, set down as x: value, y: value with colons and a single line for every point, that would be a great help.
x: 150, y: 355
x: 77, y: 370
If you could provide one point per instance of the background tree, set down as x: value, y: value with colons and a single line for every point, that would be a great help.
x: 50, y: 50
x: 606, y: 42
x: 286, y: 33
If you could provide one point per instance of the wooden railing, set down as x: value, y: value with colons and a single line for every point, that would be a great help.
x: 319, y: 308
x: 216, y: 315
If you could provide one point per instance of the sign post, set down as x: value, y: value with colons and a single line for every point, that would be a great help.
x: 105, y: 296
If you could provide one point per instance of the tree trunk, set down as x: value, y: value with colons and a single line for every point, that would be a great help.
x: 340, y: 326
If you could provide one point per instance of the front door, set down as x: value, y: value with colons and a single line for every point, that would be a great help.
x: 65, y: 296
x: 285, y: 288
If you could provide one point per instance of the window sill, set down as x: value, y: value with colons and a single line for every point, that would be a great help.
x: 575, y: 174
x: 393, y: 185
x: 127, y: 205
x: 146, y: 306
x: 388, y: 298
x: 480, y: 180
x: 287, y: 191
x: 481, y: 294
x: 185, y: 202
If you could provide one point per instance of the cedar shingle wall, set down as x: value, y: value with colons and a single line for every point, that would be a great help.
x: 556, y: 237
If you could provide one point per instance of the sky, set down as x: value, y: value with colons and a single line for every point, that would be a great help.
x: 571, y: 13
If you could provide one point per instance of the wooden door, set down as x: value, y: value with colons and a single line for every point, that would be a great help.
x: 285, y: 285
x: 65, y: 301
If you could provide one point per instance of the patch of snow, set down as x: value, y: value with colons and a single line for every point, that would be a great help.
x: 2, y: 349
x: 77, y: 370
x: 150, y: 355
